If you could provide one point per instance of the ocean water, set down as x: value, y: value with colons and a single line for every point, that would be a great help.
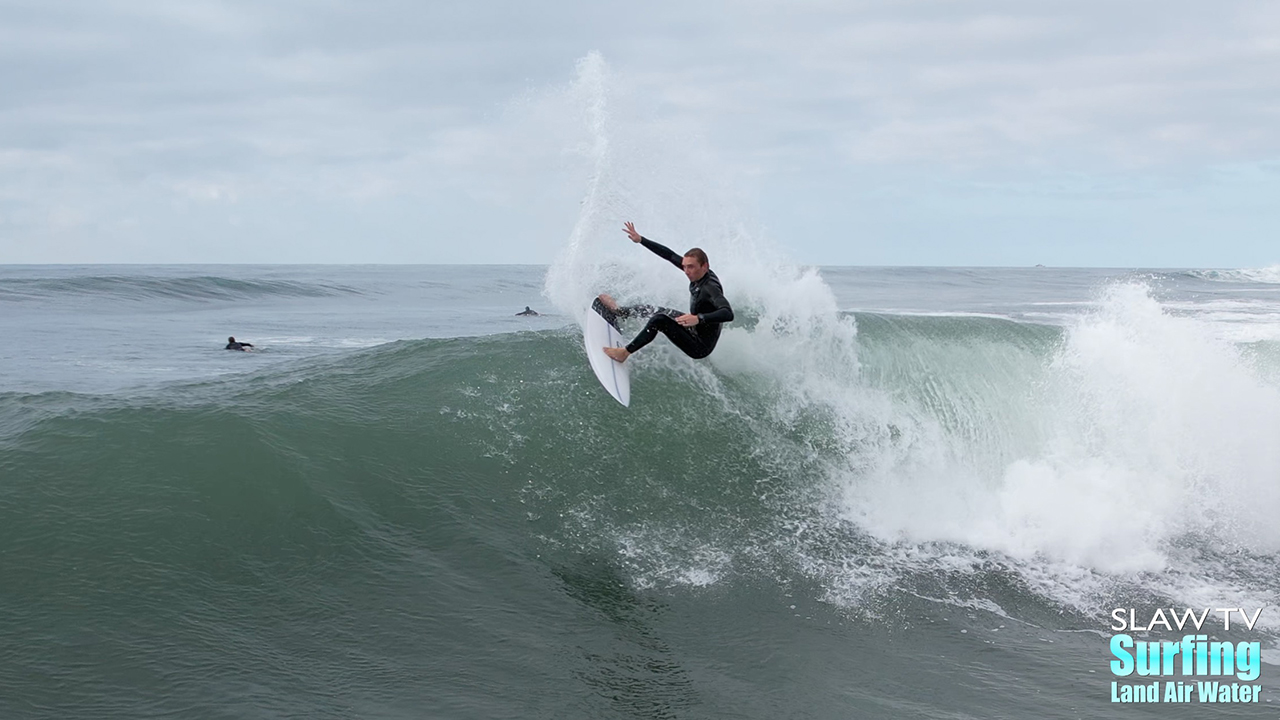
x: 889, y: 493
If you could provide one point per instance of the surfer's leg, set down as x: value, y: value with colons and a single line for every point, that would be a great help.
x: 627, y: 311
x: 683, y: 338
x: 687, y: 340
x: 645, y: 336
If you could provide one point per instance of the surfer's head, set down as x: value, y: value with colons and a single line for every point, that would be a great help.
x: 231, y: 339
x: 695, y: 264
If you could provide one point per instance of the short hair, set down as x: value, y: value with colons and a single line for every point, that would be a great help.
x: 697, y: 254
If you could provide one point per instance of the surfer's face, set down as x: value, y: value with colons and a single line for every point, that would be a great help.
x: 693, y: 269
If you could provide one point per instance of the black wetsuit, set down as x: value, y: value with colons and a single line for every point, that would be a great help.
x: 238, y: 346
x: 706, y: 300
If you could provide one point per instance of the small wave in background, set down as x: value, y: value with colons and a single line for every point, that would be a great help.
x: 1267, y: 275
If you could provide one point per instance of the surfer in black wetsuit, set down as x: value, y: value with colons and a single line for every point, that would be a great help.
x: 528, y: 311
x: 242, y: 346
x: 695, y: 332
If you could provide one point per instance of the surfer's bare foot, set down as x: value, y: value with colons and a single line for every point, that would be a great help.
x: 619, y: 354
x: 608, y: 301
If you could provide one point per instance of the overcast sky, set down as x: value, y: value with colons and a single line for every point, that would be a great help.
x: 936, y: 132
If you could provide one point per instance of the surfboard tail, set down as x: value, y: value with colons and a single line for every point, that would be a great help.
x: 598, y: 332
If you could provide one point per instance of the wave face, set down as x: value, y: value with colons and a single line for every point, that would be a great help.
x: 435, y: 516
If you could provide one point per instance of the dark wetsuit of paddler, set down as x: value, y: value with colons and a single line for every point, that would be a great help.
x: 695, y: 333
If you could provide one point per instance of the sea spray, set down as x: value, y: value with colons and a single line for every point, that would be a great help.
x: 669, y: 183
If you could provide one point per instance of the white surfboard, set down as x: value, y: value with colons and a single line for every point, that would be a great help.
x: 598, y: 333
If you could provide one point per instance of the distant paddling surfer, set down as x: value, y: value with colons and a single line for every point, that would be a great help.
x: 528, y: 312
x: 695, y: 332
x: 241, y: 346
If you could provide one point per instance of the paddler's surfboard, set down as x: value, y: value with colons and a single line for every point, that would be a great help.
x: 600, y: 331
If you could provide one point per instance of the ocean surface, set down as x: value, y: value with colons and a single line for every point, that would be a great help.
x: 890, y: 493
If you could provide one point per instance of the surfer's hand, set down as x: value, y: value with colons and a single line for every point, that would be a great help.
x: 630, y: 227
x: 608, y: 301
x: 687, y: 320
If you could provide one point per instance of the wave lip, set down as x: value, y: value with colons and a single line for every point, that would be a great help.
x: 150, y: 287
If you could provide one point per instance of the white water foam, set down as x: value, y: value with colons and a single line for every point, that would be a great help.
x: 1151, y: 431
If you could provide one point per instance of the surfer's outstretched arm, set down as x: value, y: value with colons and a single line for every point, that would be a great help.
x: 661, y: 251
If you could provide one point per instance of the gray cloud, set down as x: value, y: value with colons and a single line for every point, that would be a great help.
x: 387, y: 131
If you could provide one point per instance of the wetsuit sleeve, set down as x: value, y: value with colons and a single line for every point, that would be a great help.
x: 663, y: 252
x: 723, y: 313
